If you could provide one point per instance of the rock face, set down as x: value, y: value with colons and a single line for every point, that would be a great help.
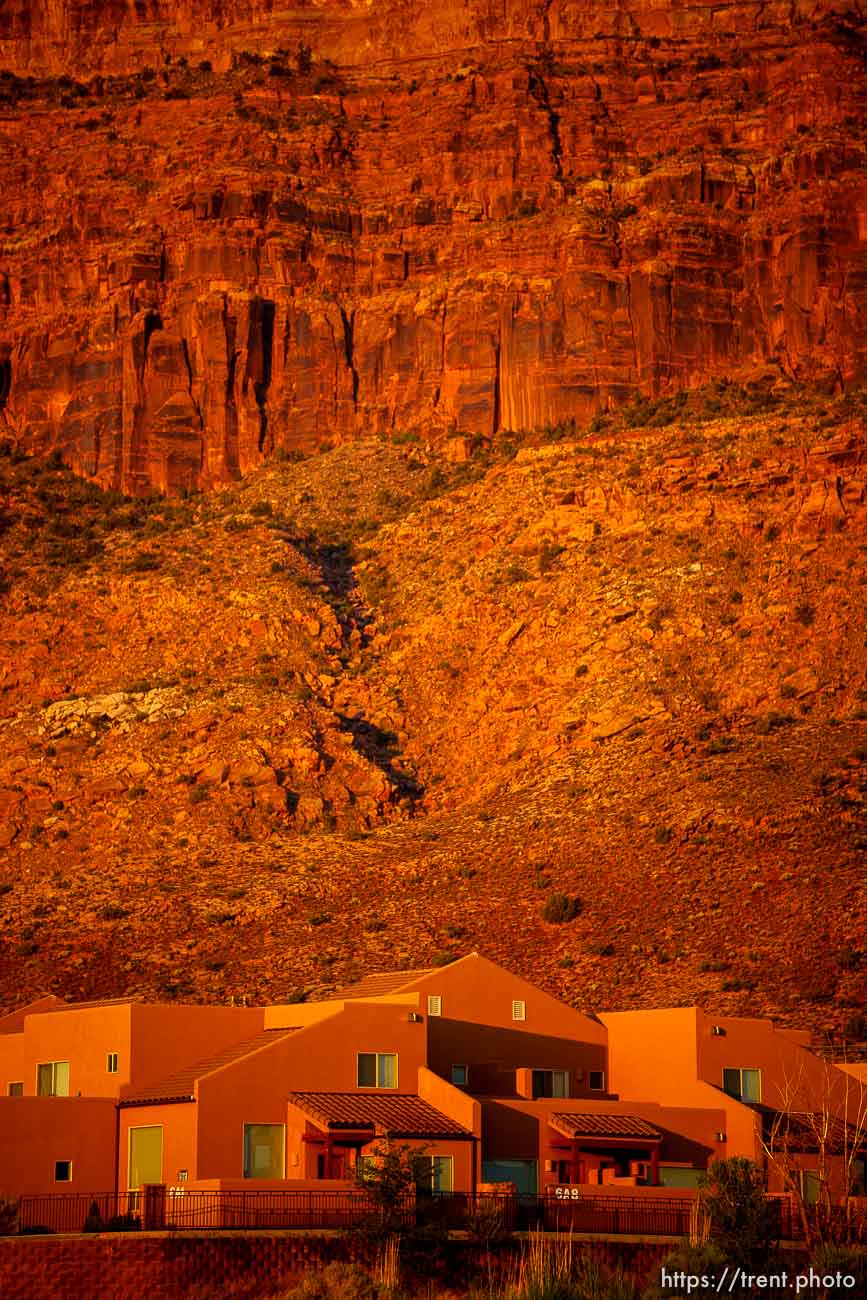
x: 229, y: 231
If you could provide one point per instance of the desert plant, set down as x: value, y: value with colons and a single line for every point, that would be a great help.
x: 560, y: 908
x: 743, y: 1224
x: 8, y: 1216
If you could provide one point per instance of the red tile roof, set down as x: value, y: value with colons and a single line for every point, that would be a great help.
x: 602, y: 1126
x: 374, y: 986
x: 180, y: 1086
x: 397, y: 1115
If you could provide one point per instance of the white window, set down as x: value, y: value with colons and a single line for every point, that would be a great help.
x: 52, y: 1079
x: 746, y: 1085
x: 596, y: 1080
x: 460, y: 1075
x: 111, y: 1063
x: 550, y: 1083
x: 434, y: 1173
x: 434, y: 1005
x: 63, y: 1171
x: 519, y: 1010
x: 264, y: 1150
x: 377, y: 1070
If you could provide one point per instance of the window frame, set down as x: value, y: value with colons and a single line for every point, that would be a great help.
x: 18, y: 1085
x: 596, y: 1074
x: 247, y: 1151
x: 377, y: 1058
x: 111, y: 1063
x: 551, y: 1075
x: 434, y: 1004
x: 435, y: 1163
x: 519, y: 1010
x: 740, y: 1071
x: 458, y: 1083
x: 53, y: 1090
x: 68, y: 1178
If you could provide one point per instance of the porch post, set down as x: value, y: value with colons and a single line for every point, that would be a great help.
x: 654, y: 1166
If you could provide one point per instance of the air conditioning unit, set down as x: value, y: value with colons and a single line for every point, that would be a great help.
x: 718, y: 1031
x: 414, y: 1018
x: 720, y: 1137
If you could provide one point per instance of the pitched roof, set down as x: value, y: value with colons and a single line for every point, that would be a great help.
x: 397, y: 1115
x: 374, y: 986
x: 603, y: 1126
x: 180, y: 1086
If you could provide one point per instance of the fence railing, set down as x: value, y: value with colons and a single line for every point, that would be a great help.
x: 158, y: 1208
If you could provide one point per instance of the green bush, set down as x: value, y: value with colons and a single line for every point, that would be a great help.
x: 744, y: 1224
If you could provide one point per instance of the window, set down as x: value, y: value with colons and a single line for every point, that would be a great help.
x: 264, y: 1147
x: 377, y: 1070
x: 550, y: 1083
x: 111, y: 1063
x: 596, y: 1080
x: 746, y: 1085
x: 461, y: 1075
x: 434, y: 1005
x: 63, y: 1171
x: 15, y: 1090
x: 519, y: 1010
x: 145, y: 1155
x: 434, y: 1173
x: 52, y: 1079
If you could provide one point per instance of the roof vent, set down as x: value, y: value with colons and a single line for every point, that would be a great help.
x: 718, y: 1031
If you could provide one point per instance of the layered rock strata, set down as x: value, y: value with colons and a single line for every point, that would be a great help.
x: 229, y: 230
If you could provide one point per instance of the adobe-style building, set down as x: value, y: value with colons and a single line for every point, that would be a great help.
x: 495, y: 1080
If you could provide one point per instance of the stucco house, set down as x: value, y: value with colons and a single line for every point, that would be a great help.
x: 493, y: 1079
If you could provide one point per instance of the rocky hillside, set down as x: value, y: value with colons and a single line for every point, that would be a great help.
x: 593, y: 702
x: 228, y: 231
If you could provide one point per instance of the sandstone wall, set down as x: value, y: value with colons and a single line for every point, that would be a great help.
x: 299, y: 226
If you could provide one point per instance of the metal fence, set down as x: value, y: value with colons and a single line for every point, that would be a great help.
x: 159, y: 1208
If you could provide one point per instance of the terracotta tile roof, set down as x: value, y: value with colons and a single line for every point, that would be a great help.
x: 602, y: 1126
x: 180, y: 1086
x: 374, y: 986
x: 398, y: 1115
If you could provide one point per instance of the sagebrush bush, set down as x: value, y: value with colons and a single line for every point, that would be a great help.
x: 559, y: 908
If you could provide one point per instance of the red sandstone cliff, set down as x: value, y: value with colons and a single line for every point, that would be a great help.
x: 228, y: 230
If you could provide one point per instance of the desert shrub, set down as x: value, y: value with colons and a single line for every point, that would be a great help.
x: 805, y: 614
x: 8, y: 1216
x: 744, y: 1225
x: 112, y: 912
x: 198, y: 794
x: 849, y: 958
x: 337, y: 1281
x: 94, y: 1221
x: 663, y: 834
x: 855, y: 1027
x: 560, y: 908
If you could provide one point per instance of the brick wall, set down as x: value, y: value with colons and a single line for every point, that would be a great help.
x: 205, y: 1266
